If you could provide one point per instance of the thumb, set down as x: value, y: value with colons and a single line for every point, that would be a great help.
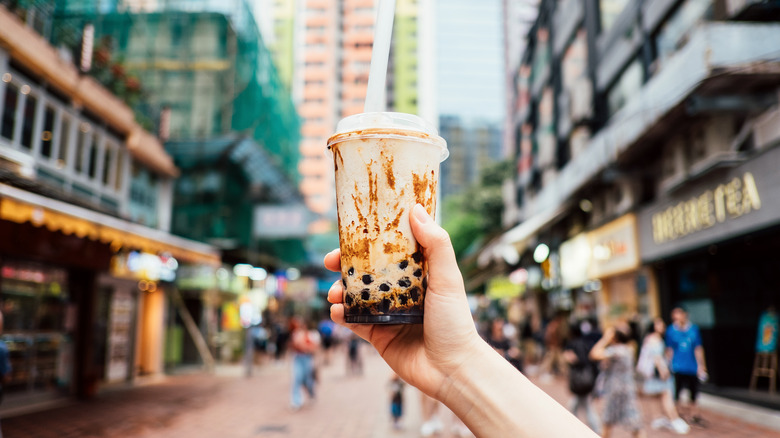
x: 444, y: 274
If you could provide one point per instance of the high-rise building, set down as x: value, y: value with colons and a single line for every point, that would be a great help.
x: 469, y: 89
x: 647, y: 151
x: 329, y: 44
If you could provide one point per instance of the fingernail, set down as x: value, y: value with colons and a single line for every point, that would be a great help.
x: 421, y: 215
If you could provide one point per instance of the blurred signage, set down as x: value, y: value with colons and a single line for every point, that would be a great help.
x: 729, y: 200
x: 503, y: 287
x: 575, y: 261
x: 718, y: 206
x: 302, y: 289
x: 144, y: 266
x: 280, y: 221
x: 614, y: 248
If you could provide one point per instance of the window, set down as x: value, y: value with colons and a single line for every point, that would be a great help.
x: 107, y: 157
x: 673, y: 32
x: 626, y: 87
x: 9, y: 110
x: 48, y: 132
x: 28, y: 118
x: 65, y: 134
x: 609, y: 11
x: 93, y: 157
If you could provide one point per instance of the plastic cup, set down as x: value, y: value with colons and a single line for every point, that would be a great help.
x: 385, y: 163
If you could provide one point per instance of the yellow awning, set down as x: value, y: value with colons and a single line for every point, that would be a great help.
x: 19, y: 206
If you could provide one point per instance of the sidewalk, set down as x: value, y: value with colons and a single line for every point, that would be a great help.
x: 230, y: 405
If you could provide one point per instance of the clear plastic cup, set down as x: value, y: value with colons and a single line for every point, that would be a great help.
x: 385, y: 163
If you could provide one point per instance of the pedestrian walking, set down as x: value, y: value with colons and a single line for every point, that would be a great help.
x: 325, y: 328
x: 396, y: 400
x: 621, y: 406
x: 354, y: 357
x: 686, y: 355
x: 582, y: 374
x: 503, y: 344
x: 304, y: 343
x: 657, y: 379
x: 554, y: 338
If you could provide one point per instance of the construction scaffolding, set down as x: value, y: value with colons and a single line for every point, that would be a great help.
x: 204, y: 60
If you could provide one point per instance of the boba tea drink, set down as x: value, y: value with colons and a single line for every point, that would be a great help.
x: 385, y: 163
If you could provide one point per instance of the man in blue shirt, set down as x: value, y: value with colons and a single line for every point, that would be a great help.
x: 686, y: 354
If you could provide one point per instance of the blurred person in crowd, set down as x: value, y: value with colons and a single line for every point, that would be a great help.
x: 686, y: 355
x: 447, y: 359
x: 281, y: 338
x: 304, y: 343
x: 621, y: 406
x: 432, y: 424
x: 528, y: 342
x: 5, y: 365
x: 327, y: 334
x: 396, y: 387
x: 582, y: 372
x: 658, y: 379
x: 354, y: 356
x: 554, y: 338
x: 498, y: 338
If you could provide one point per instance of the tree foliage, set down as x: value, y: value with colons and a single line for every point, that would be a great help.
x: 475, y: 214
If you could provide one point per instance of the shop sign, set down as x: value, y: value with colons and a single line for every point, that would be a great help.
x: 503, y: 287
x: 614, y: 248
x: 575, y: 261
x: 720, y: 206
x: 727, y: 201
x: 280, y: 221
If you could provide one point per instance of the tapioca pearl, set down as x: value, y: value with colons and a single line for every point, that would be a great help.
x: 414, y: 293
x: 384, y: 305
x: 425, y: 283
x: 365, y: 294
x: 417, y: 256
x: 348, y: 299
x: 403, y: 264
x: 351, y: 271
x: 403, y: 299
x: 404, y: 282
x: 418, y: 273
x: 344, y: 282
x: 384, y: 287
x: 367, y: 279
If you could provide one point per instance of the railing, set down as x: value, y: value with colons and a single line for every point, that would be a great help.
x: 63, y: 148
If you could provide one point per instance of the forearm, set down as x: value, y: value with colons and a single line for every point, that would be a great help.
x: 495, y: 400
x: 699, y: 353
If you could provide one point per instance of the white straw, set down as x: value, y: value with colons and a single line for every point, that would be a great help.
x: 377, y: 76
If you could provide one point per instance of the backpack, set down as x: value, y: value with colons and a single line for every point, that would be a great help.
x: 582, y: 379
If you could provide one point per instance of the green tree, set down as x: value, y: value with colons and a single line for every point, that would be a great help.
x: 475, y: 214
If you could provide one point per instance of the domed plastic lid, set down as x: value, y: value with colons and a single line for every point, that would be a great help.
x: 381, y: 125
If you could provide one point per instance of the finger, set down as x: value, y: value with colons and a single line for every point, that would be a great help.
x: 332, y: 260
x: 337, y: 315
x: 336, y: 293
x: 442, y: 264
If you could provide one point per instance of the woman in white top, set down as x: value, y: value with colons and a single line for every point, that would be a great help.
x: 657, y: 379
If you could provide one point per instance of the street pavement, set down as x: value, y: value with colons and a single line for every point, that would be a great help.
x: 227, y: 404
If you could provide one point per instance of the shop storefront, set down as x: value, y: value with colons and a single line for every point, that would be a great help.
x: 601, y: 268
x: 714, y: 247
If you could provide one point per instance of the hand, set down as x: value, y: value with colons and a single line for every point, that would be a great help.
x: 423, y: 355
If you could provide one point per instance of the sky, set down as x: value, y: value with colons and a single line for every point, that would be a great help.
x: 470, y: 59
